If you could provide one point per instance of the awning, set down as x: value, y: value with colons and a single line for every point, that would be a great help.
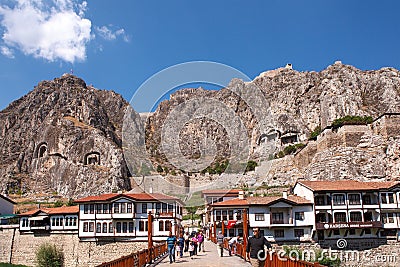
x: 38, y: 218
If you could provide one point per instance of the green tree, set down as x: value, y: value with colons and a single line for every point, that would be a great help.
x: 58, y: 203
x: 160, y: 168
x: 251, y: 165
x: 49, y: 256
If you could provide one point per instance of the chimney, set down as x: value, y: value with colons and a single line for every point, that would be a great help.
x: 241, y: 194
x: 284, y: 194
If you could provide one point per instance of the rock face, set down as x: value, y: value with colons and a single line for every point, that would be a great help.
x: 63, y: 138
x: 284, y: 106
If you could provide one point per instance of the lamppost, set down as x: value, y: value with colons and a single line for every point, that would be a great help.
x: 150, y: 219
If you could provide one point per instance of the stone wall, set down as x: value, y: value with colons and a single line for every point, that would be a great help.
x: 76, y: 253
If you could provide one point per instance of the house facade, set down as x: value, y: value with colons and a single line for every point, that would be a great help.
x: 353, y: 209
x: 50, y: 220
x: 125, y: 216
x: 285, y: 218
x: 212, y: 196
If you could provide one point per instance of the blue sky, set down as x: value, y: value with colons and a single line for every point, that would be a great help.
x: 118, y: 45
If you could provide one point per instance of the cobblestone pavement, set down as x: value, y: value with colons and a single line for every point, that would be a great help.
x: 208, y: 258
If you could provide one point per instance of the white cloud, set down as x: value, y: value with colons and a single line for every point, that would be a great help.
x: 51, y: 30
x: 7, y: 52
x: 108, y: 34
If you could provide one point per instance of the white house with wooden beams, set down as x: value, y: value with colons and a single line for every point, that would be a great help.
x: 120, y: 216
x: 280, y: 218
x: 50, y: 220
x: 353, y: 209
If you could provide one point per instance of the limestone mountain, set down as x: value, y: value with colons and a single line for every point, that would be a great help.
x: 284, y: 106
x: 63, y: 137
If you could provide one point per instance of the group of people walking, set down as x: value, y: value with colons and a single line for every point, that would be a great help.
x: 192, y: 243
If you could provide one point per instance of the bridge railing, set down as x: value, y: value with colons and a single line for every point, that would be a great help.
x: 138, y: 259
x: 272, y: 259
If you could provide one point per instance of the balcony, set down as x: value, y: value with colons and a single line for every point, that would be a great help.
x: 349, y: 225
x: 284, y: 222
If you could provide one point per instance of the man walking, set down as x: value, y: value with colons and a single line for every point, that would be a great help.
x: 220, y: 242
x: 171, y: 242
x: 255, y: 248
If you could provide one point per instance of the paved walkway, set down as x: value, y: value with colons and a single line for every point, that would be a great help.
x: 209, y: 258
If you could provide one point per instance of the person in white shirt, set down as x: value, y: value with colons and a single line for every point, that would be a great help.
x: 232, y: 243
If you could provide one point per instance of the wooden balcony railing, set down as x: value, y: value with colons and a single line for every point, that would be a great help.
x: 138, y: 259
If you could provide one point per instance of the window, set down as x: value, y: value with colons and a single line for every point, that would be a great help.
x: 110, y: 227
x: 368, y: 216
x: 298, y: 232
x: 164, y: 207
x: 355, y: 216
x: 299, y: 215
x: 224, y: 215
x: 387, y: 198
x: 352, y: 231
x: 91, y: 208
x: 75, y: 221
x: 367, y: 231
x: 161, y: 225
x: 277, y: 217
x: 340, y: 217
x: 123, y: 207
x: 279, y: 233
x: 116, y: 207
x: 218, y: 215
x: 85, y: 227
x: 104, y: 227
x: 129, y: 207
x: 98, y: 227
x: 141, y: 226
x: 144, y: 207
x: 91, y: 227
x: 367, y: 200
x: 387, y: 218
x: 170, y: 208
x: 53, y: 222
x: 239, y: 215
x: 168, y: 226
x: 230, y: 214
x: 61, y: 221
x: 338, y: 199
x: 130, y: 227
x: 354, y: 199
x: 124, y: 227
x: 86, y: 208
x: 158, y: 207
x: 319, y: 200
x: 231, y: 232
x: 259, y: 217
x: 98, y: 208
x: 118, y: 227
x: 105, y: 208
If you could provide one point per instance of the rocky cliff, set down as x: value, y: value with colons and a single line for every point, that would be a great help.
x: 287, y: 105
x: 64, y: 137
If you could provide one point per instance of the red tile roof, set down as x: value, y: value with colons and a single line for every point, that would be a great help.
x: 346, y: 185
x: 53, y: 211
x: 295, y: 200
x: 221, y: 192
x: 134, y: 196
x: 232, y: 202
